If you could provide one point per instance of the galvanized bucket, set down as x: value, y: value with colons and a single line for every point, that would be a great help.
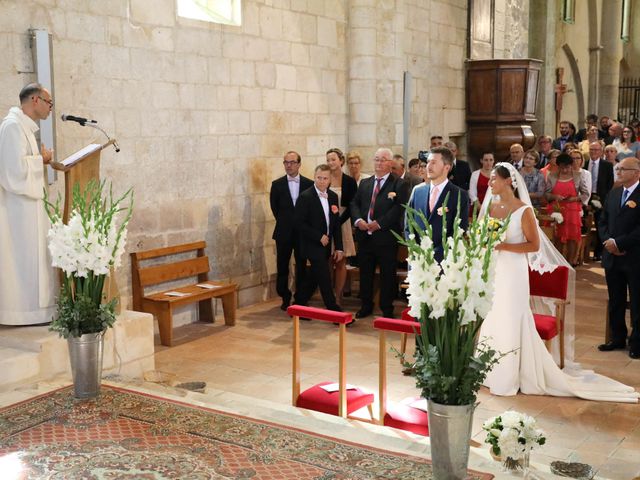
x: 449, y: 434
x: 85, y: 354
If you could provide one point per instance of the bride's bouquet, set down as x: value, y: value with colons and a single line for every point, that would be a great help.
x: 451, y: 300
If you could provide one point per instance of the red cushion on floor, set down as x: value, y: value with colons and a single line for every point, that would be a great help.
x: 316, y: 398
x: 407, y: 418
x: 546, y: 326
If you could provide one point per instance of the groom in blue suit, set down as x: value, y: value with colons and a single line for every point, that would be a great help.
x: 429, y: 198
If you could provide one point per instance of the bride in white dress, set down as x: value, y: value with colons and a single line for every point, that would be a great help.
x: 510, y: 324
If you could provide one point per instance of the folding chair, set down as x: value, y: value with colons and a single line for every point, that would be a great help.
x: 342, y: 402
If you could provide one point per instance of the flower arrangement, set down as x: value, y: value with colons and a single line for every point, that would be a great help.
x: 86, y: 248
x: 512, y: 435
x: 451, y: 300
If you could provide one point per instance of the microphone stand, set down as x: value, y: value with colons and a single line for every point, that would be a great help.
x: 93, y: 125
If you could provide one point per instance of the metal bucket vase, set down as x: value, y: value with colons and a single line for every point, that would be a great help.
x: 85, y: 354
x: 449, y: 434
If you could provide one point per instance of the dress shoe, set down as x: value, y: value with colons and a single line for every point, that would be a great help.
x: 611, y: 345
x: 635, y: 354
x: 364, y: 312
x: 285, y: 304
x: 387, y: 314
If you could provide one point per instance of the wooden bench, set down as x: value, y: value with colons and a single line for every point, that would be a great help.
x: 161, y: 304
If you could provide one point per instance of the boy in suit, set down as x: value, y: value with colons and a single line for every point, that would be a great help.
x: 283, y: 196
x: 318, y: 222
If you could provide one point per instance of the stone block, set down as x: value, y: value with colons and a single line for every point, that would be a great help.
x: 228, y: 147
x: 242, y: 73
x: 362, y: 41
x: 299, y: 54
x: 228, y: 97
x: 111, y: 8
x: 193, y: 68
x: 128, y: 122
x: 239, y: 122
x: 299, y: 5
x: 266, y: 75
x: 362, y: 67
x: 273, y: 100
x: 319, y: 56
x: 248, y: 146
x: 218, y: 122
x: 363, y: 113
x: 318, y: 102
x: 219, y: 71
x: 250, y: 98
x: 86, y: 27
x: 291, y: 26
x: 270, y: 22
x: 164, y: 95
x: 286, y: 77
x: 309, y: 28
x: 201, y: 42
x: 327, y: 32
x: 362, y: 91
x: 309, y: 79
x: 279, y: 51
x: 303, y: 123
x: 317, y: 145
x: 255, y: 49
x: 295, y: 101
x: 163, y: 13
x: 360, y: 134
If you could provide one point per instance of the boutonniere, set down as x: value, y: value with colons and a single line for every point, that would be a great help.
x: 631, y: 204
x: 442, y: 210
x: 334, y: 209
x: 391, y: 195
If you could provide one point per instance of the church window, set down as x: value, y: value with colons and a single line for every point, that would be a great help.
x: 227, y: 12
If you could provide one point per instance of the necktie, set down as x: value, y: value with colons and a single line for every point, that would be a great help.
x: 594, y: 178
x: 323, y: 194
x: 625, y: 195
x: 293, y: 179
x: 432, y: 198
x: 376, y: 190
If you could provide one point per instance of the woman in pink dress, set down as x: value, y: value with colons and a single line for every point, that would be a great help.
x: 563, y: 194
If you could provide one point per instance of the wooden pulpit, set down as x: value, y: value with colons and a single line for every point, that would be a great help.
x: 81, y: 167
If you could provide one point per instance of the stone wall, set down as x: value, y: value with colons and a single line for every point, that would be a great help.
x: 204, y: 112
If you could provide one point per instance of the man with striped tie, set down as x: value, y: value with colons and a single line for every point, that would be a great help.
x: 376, y: 211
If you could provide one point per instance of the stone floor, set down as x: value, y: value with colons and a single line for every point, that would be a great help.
x: 254, y: 359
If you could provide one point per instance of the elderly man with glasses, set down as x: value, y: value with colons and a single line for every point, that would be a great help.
x: 28, y: 282
x: 619, y: 227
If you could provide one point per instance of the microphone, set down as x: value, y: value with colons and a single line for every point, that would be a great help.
x: 80, y: 120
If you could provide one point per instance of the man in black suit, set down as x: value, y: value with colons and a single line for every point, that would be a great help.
x: 399, y: 170
x: 460, y: 174
x: 544, y: 149
x: 376, y: 211
x: 318, y: 221
x: 620, y: 227
x: 429, y: 198
x: 283, y: 196
x: 601, y: 184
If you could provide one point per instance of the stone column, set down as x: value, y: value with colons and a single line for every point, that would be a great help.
x: 375, y: 75
x: 610, y: 57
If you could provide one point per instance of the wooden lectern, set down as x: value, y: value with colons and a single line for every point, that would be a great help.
x: 81, y: 167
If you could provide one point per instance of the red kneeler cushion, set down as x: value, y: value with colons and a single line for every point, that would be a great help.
x: 318, y: 399
x: 546, y: 326
x: 407, y: 418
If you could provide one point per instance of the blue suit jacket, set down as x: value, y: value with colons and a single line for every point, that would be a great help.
x: 420, y: 201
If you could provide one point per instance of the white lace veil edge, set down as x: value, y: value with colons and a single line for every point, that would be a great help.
x: 546, y: 259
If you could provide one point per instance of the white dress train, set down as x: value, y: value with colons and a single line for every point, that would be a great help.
x: 510, y: 326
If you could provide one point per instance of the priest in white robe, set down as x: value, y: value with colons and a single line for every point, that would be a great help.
x: 28, y: 283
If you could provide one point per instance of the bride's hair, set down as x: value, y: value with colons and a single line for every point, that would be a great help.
x: 503, y: 172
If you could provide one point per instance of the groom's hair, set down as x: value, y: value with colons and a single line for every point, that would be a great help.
x: 446, y: 154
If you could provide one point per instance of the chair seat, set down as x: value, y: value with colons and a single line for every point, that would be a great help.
x: 546, y: 326
x: 318, y: 399
x: 405, y: 417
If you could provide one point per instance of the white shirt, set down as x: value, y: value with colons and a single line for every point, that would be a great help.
x: 325, y: 206
x: 594, y: 166
x: 440, y: 188
x: 294, y: 188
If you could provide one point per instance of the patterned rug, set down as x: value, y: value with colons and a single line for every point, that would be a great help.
x: 129, y: 435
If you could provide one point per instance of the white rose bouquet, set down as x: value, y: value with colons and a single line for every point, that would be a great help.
x: 451, y: 300
x: 512, y: 435
x: 85, y: 249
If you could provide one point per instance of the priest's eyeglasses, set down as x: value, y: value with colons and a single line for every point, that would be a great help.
x: 50, y: 102
x: 625, y: 169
